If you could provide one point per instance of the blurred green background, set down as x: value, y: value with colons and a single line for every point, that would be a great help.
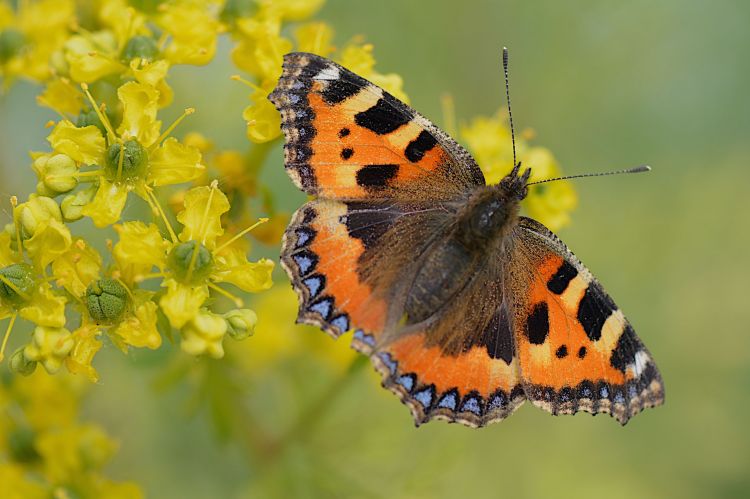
x: 605, y: 86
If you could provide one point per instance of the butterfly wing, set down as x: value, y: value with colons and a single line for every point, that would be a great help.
x: 577, y: 352
x: 347, y: 138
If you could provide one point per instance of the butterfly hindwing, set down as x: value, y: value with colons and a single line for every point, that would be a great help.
x: 577, y: 351
x: 348, y: 138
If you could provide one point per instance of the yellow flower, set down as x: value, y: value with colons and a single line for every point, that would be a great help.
x: 262, y: 118
x: 15, y: 483
x: 93, y: 56
x: 292, y: 10
x: 49, y: 346
x: 138, y: 329
x: 314, y: 37
x: 29, y: 38
x: 204, y: 334
x: 193, y: 31
x: 133, y: 158
x: 489, y: 141
x: 69, y: 453
x: 196, y: 263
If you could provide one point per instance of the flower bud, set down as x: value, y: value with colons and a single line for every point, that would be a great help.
x: 90, y: 117
x: 19, y: 286
x: 140, y: 46
x: 11, y: 42
x: 190, y: 261
x: 240, y: 323
x: 49, y: 346
x: 34, y: 212
x: 72, y: 205
x: 106, y: 300
x: 57, y: 174
x: 134, y: 160
x: 20, y: 364
x: 204, y: 334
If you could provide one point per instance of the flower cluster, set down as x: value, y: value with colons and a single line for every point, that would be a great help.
x: 107, y: 79
x: 45, y: 451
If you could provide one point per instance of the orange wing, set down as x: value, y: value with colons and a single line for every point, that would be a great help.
x: 576, y: 349
x: 474, y: 385
x: 346, y: 138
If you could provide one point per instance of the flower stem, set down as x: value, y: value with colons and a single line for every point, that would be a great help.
x: 7, y: 335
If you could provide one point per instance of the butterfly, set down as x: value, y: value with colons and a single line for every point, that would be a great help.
x: 465, y: 307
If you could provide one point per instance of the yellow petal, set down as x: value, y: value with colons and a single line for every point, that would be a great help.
x: 76, y: 268
x: 201, y: 217
x: 107, y: 205
x: 85, y: 145
x: 193, y: 32
x: 181, y: 303
x: 233, y: 267
x: 293, y: 10
x: 174, y: 163
x: 61, y: 96
x: 45, y: 308
x: 140, y: 248
x: 7, y: 255
x: 262, y: 118
x: 51, y: 240
x: 140, y: 104
x: 204, y: 334
x: 50, y: 346
x: 150, y: 73
x: 86, y: 347
x: 139, y: 330
x: 91, y: 58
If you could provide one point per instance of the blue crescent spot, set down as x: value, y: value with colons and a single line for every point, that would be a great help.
x: 341, y: 322
x: 498, y: 401
x: 448, y: 402
x: 471, y: 405
x: 304, y: 263
x: 619, y: 398
x: 632, y: 391
x: 323, y: 307
x: 424, y: 397
x: 406, y: 381
x: 604, y: 393
x: 367, y: 339
x: 303, y: 236
x: 586, y: 393
x: 390, y: 363
x: 313, y: 284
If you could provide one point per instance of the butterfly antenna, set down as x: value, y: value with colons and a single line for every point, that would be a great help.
x: 637, y: 169
x: 507, y: 96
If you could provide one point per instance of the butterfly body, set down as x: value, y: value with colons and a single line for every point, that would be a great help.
x: 466, y: 307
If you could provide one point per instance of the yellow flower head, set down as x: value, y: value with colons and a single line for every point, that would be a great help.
x: 204, y: 334
x: 50, y: 347
x: 192, y: 29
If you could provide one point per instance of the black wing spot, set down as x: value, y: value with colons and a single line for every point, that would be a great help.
x: 366, y: 224
x: 376, y: 176
x: 418, y: 147
x: 497, y: 338
x: 558, y: 283
x: 344, y: 132
x: 582, y: 352
x: 347, y: 153
x: 382, y: 118
x: 337, y: 91
x: 624, y: 352
x: 537, y: 324
x: 562, y: 352
x: 593, y: 310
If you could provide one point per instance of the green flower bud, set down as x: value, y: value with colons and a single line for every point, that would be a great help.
x: 139, y: 46
x: 190, y: 261
x: 134, y: 160
x: 106, y: 300
x: 90, y: 117
x: 20, y: 364
x: 11, y: 42
x: 34, y: 212
x: 72, y: 205
x: 240, y: 323
x: 57, y: 174
x: 21, y: 278
x: 21, y: 445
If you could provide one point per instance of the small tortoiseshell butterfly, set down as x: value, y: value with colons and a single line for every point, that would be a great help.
x: 465, y: 307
